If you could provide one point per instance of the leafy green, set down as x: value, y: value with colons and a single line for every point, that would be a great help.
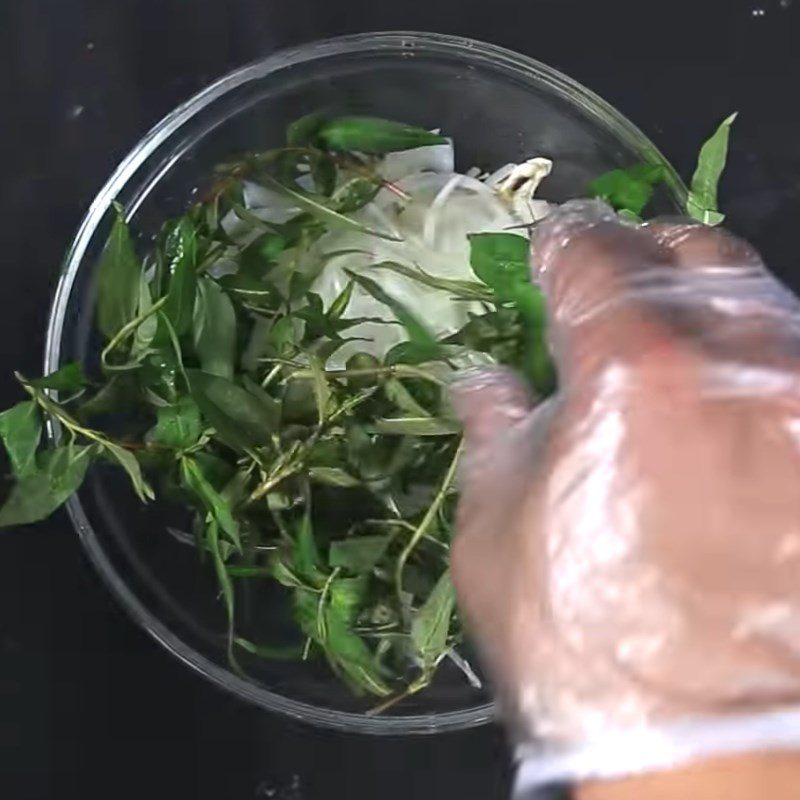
x: 501, y: 260
x: 355, y: 194
x: 702, y: 201
x: 318, y: 208
x: 219, y: 511
x: 21, y: 431
x: 128, y: 462
x: 179, y: 425
x: 38, y: 493
x: 307, y: 559
x: 464, y: 290
x: 431, y: 623
x: 370, y: 135
x: 222, y: 381
x: 415, y: 426
x: 628, y: 190
x: 69, y: 378
x: 360, y: 554
x: 212, y: 544
x: 333, y: 476
x: 215, y: 330
x: 181, y: 258
x: 419, y: 335
x: 240, y: 419
x: 303, y: 131
x: 118, y: 279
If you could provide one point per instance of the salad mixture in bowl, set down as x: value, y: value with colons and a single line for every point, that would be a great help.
x: 266, y: 374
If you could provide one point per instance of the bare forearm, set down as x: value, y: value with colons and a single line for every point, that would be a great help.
x: 751, y: 777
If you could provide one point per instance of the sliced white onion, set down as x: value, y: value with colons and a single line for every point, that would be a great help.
x: 499, y: 175
x: 433, y: 158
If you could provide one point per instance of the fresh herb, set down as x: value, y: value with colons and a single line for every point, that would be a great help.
x: 628, y: 190
x: 304, y: 453
x: 702, y: 202
x: 368, y: 135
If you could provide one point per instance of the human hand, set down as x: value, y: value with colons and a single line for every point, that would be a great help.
x: 628, y: 552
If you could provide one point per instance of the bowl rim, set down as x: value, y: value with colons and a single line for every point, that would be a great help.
x: 385, y: 41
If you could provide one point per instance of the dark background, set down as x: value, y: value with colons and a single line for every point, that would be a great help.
x: 89, y: 706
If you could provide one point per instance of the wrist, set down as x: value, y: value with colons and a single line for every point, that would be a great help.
x: 771, y: 775
x: 619, y: 756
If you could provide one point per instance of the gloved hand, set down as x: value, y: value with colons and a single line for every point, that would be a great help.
x: 628, y: 552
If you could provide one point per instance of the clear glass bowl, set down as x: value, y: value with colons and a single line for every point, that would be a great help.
x: 499, y: 107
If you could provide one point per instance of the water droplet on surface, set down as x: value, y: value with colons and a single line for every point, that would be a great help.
x: 76, y: 111
x: 90, y: 46
x: 758, y: 12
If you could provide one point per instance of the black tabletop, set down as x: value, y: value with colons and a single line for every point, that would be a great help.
x: 89, y: 705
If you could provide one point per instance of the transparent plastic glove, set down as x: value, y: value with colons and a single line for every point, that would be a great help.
x: 628, y: 552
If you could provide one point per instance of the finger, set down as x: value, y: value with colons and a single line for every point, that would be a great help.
x: 729, y: 301
x: 490, y: 402
x: 493, y: 404
x: 693, y: 245
x: 594, y: 272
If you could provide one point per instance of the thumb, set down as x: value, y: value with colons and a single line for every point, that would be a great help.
x: 492, y: 403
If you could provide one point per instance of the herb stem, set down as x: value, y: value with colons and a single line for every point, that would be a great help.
x: 423, y: 526
x: 396, y: 370
x: 126, y: 330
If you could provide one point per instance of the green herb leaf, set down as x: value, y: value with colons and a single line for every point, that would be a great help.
x: 418, y: 334
x: 214, y: 330
x: 432, y: 623
x: 502, y: 261
x: 118, y: 280
x: 359, y: 554
x: 464, y: 290
x: 146, y: 331
x: 214, y: 503
x: 412, y: 353
x: 119, y: 393
x: 303, y: 131
x: 630, y: 189
x: 181, y: 255
x: 323, y: 172
x: 333, y: 476
x: 178, y: 425
x: 322, y: 389
x: 702, y: 202
x: 371, y: 135
x: 213, y: 545
x: 69, y: 378
x: 349, y: 655
x: 348, y: 596
x: 240, y: 419
x: 307, y: 560
x: 129, y: 463
x: 397, y: 394
x: 355, y: 194
x: 271, y: 652
x: 321, y: 211
x: 415, y: 426
x: 39, y: 493
x: 340, y: 303
x: 21, y: 431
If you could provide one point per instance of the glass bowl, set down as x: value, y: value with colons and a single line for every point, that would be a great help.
x: 498, y: 106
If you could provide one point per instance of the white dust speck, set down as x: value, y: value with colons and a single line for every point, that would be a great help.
x: 267, y: 790
x: 758, y: 12
x: 76, y: 111
x: 785, y: 3
x: 90, y: 46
